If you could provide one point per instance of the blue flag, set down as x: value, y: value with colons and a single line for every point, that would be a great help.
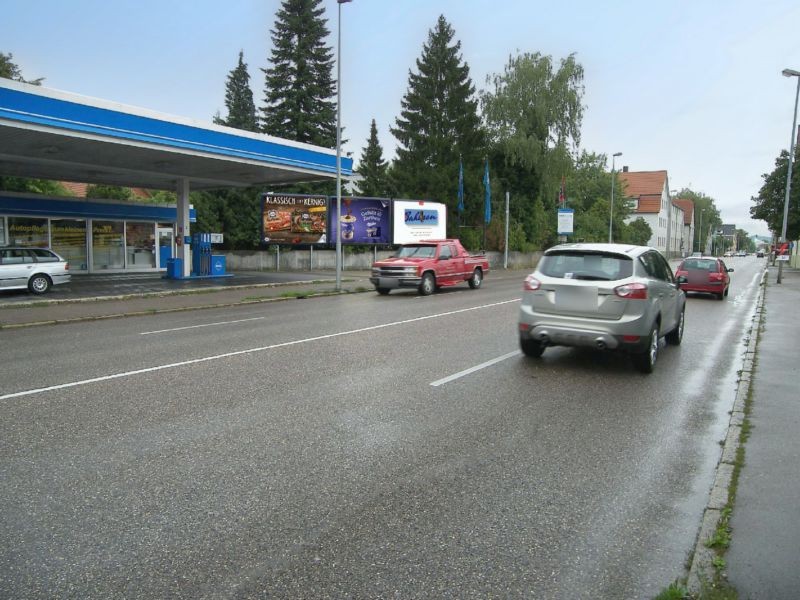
x: 460, y: 186
x: 487, y: 208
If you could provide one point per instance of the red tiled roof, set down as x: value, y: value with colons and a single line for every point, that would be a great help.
x: 643, y: 183
x: 76, y: 189
x: 79, y: 190
x: 688, y: 209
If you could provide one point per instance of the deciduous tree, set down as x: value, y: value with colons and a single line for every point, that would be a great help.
x: 768, y: 207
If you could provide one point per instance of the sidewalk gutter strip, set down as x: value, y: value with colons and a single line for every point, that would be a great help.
x: 702, y: 569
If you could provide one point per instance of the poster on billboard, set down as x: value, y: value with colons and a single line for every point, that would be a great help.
x: 293, y: 219
x: 566, y: 217
x: 416, y: 220
x: 363, y: 220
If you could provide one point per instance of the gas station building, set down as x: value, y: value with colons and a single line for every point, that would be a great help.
x: 49, y: 134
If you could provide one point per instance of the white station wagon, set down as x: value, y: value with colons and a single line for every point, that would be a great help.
x: 34, y: 269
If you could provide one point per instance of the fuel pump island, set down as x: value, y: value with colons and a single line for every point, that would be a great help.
x: 205, y: 265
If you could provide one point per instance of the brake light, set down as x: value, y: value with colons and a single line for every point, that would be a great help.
x: 632, y: 291
x: 66, y: 267
x: 531, y: 284
x: 715, y: 277
x: 679, y: 273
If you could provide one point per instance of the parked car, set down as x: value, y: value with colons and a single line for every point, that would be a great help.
x: 707, y: 275
x: 728, y: 254
x: 604, y: 296
x: 429, y: 265
x: 760, y: 254
x: 35, y: 269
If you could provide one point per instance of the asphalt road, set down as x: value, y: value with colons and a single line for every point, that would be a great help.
x: 356, y: 446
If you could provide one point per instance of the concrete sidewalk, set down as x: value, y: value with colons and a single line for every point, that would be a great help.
x: 91, y: 298
x: 763, y: 560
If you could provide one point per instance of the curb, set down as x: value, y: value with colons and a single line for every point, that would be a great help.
x: 702, y: 568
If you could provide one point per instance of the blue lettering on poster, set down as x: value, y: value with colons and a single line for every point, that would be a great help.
x: 421, y: 217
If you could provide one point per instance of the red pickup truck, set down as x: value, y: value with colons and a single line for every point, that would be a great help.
x: 428, y: 265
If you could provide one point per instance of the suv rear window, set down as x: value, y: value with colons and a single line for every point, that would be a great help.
x: 586, y: 265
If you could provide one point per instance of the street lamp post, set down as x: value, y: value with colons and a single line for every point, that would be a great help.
x: 611, y: 215
x: 789, y: 73
x: 339, y: 149
x: 700, y: 233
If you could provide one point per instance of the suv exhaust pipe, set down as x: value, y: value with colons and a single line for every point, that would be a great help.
x: 601, y: 345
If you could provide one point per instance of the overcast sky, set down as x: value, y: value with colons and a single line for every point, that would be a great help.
x: 692, y: 87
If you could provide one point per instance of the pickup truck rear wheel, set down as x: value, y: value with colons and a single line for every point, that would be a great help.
x: 382, y: 291
x: 476, y: 279
x: 427, y: 285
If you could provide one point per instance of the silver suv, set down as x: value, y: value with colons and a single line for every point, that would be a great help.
x: 35, y: 269
x: 604, y: 296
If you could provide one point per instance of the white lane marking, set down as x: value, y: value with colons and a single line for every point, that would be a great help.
x: 488, y: 363
x: 198, y: 326
x: 248, y: 351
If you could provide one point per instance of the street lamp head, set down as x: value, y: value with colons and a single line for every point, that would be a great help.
x: 790, y: 73
x: 617, y: 154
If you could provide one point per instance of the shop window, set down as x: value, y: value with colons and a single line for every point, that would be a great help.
x: 140, y: 241
x: 24, y: 231
x: 108, y: 245
x: 69, y: 240
x: 3, y: 232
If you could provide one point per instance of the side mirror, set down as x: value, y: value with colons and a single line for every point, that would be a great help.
x: 730, y: 269
x: 682, y: 279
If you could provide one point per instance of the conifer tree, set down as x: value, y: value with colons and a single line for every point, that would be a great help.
x: 373, y: 168
x: 239, y: 99
x: 299, y: 90
x: 438, y: 122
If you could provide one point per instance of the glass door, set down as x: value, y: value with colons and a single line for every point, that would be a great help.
x: 165, y: 247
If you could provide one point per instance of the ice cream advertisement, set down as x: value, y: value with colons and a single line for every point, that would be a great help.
x: 363, y: 221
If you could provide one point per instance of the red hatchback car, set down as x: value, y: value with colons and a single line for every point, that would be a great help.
x: 705, y: 274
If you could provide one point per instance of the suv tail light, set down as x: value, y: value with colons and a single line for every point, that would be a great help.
x: 66, y: 266
x: 531, y: 284
x: 632, y: 291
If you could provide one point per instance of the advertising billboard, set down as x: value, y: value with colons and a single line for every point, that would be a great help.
x: 363, y: 221
x: 293, y: 219
x: 416, y: 220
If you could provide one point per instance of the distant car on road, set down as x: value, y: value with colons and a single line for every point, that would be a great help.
x: 728, y: 254
x: 741, y: 253
x: 706, y: 275
x: 603, y: 296
x: 760, y: 254
x: 35, y: 269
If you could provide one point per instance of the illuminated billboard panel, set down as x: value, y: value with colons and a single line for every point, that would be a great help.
x: 416, y: 220
x: 294, y: 219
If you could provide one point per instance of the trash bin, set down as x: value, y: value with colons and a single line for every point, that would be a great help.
x: 218, y: 265
x: 175, y: 268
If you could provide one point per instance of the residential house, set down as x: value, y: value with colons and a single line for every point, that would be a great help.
x: 687, y: 231
x: 648, y: 195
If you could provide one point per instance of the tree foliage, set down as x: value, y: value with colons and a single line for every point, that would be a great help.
x: 109, y: 192
x: 768, y: 207
x: 10, y: 70
x: 373, y: 168
x: 239, y: 99
x: 534, y: 117
x: 299, y: 90
x: 439, y: 123
x: 706, y: 217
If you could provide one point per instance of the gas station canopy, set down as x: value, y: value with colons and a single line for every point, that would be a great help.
x: 56, y: 135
